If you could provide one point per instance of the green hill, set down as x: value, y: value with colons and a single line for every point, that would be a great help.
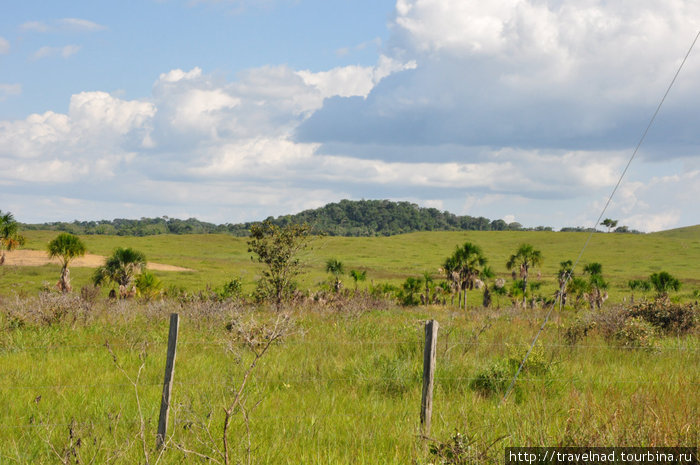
x: 344, y: 218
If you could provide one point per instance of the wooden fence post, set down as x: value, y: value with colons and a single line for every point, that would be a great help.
x: 426, y: 405
x: 168, y: 380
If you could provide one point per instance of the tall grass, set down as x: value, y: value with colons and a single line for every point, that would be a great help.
x: 342, y: 386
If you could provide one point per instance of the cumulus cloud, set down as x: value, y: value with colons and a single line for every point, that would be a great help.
x: 520, y: 109
x: 524, y: 73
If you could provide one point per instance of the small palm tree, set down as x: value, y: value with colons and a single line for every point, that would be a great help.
x: 358, y: 276
x: 525, y: 257
x: 596, y: 284
x: 663, y: 282
x: 464, y: 267
x: 10, y: 238
x: 66, y: 247
x: 336, y: 268
x: 564, y: 276
x: 121, y: 268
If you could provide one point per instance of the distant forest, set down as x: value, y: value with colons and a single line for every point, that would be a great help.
x: 345, y: 218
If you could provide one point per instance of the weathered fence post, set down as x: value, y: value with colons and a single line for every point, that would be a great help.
x: 168, y: 380
x: 426, y: 405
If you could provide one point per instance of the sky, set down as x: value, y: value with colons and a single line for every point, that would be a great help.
x: 236, y: 110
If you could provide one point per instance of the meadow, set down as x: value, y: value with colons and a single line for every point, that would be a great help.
x: 217, y: 258
x: 82, y: 377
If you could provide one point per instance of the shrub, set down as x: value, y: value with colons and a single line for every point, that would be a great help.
x: 231, y: 290
x: 637, y: 333
x: 670, y: 317
x: 492, y: 380
x: 578, y: 330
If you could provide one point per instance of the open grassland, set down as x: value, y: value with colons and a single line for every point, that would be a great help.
x: 81, y: 378
x: 342, y: 386
x: 216, y: 258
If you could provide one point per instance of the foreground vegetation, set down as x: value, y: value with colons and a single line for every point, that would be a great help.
x: 340, y: 383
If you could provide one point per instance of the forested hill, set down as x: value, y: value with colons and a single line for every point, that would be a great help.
x: 345, y: 218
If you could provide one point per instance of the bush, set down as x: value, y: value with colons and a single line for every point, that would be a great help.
x: 231, y: 290
x: 492, y: 380
x: 637, y: 333
x: 670, y: 317
x: 578, y: 330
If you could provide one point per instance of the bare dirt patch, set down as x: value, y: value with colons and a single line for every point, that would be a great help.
x: 39, y: 258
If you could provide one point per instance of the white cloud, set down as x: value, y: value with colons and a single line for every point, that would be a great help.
x: 63, y: 25
x: 9, y: 89
x: 81, y: 25
x: 4, y: 46
x: 64, y: 52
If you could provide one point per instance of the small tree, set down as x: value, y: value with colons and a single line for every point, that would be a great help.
x: 10, y: 238
x: 336, y: 268
x: 525, y: 257
x: 608, y: 223
x: 358, y: 276
x: 663, y: 283
x: 278, y: 249
x: 66, y: 247
x: 597, y: 285
x: 564, y: 276
x: 464, y: 267
x: 121, y: 269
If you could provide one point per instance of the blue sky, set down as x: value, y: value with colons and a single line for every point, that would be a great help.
x: 234, y: 110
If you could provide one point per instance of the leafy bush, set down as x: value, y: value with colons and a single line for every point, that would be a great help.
x: 578, y: 330
x: 231, y: 290
x: 637, y: 333
x: 493, y: 379
x: 670, y: 317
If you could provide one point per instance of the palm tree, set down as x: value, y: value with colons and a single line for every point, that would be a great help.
x: 336, y: 268
x: 121, y: 269
x: 358, y: 276
x: 663, y: 282
x: 10, y: 238
x: 564, y: 276
x: 525, y: 257
x: 596, y: 284
x: 464, y: 267
x: 66, y: 247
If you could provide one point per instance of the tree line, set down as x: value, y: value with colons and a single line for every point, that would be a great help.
x: 344, y: 218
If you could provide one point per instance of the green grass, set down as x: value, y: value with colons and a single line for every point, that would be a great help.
x: 344, y: 386
x: 341, y: 388
x: 216, y: 258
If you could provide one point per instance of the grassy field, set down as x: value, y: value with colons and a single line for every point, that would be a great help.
x: 218, y: 258
x: 342, y: 385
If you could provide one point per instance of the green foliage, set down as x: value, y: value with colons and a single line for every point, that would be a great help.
x: 121, y: 268
x: 10, y: 238
x: 278, y: 248
x: 465, y: 266
x: 639, y: 285
x: 524, y: 258
x: 233, y: 289
x: 667, y: 316
x: 410, y: 291
x: 148, y: 286
x: 66, y: 247
x: 608, y: 223
x: 358, y: 276
x: 663, y: 283
x: 637, y: 333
